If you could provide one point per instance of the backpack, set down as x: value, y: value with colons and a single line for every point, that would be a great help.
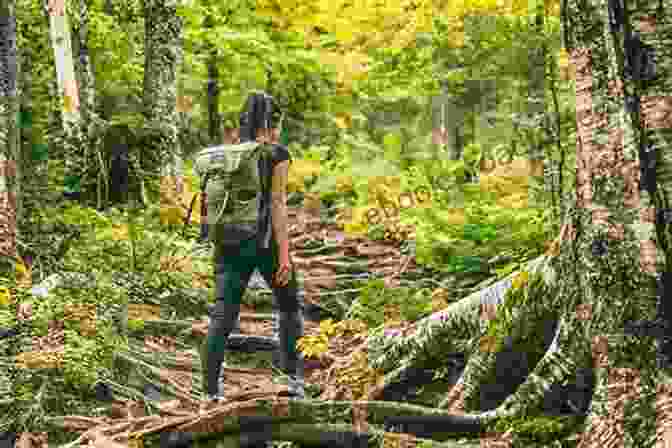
x: 234, y: 187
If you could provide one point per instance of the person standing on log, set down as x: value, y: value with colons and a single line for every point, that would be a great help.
x: 262, y: 245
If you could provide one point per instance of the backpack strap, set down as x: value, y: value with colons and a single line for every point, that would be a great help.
x: 266, y: 179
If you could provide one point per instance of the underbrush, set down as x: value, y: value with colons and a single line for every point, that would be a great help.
x: 455, y: 225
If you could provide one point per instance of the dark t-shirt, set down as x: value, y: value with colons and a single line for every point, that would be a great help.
x: 279, y: 154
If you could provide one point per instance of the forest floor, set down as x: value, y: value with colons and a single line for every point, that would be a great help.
x: 249, y: 376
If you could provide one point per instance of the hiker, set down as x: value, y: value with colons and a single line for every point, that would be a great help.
x: 247, y: 222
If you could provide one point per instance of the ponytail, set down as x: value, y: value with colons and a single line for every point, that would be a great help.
x: 258, y: 113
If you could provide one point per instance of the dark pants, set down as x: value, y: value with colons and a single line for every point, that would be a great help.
x: 232, y: 274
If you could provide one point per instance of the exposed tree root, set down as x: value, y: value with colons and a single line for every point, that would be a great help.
x: 304, y: 421
x: 454, y: 329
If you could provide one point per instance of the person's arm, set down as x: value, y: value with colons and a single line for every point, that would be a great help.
x: 279, y: 218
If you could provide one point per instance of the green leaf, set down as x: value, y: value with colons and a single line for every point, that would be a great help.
x: 136, y: 324
x: 40, y: 152
x: 392, y: 140
x: 24, y: 119
x: 72, y: 183
x: 506, y: 270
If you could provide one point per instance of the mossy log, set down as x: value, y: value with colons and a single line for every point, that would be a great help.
x: 317, y: 417
x: 307, y: 435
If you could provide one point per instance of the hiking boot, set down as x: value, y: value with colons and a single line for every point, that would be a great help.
x: 297, y: 389
x: 217, y: 398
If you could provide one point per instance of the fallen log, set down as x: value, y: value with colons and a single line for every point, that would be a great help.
x: 316, y: 418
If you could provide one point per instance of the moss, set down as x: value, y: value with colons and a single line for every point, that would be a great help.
x: 542, y: 430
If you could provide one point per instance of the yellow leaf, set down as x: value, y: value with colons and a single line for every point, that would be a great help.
x: 454, y: 217
x: 5, y: 296
x: 342, y: 122
x: 135, y: 441
x: 344, y: 34
x: 344, y: 184
x: 326, y: 326
x: 196, y: 209
x: 20, y: 268
x: 120, y: 232
x: 563, y: 58
x: 183, y: 103
x: 520, y: 280
x: 516, y: 201
x: 170, y: 215
x: 22, y: 274
x: 488, y: 344
x: 299, y: 172
x: 553, y: 248
x: 67, y: 104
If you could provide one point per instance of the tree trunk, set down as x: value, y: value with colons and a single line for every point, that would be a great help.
x: 9, y: 147
x: 90, y: 117
x: 597, y: 276
x: 163, y: 53
x: 214, y: 126
x: 603, y: 276
x: 27, y: 167
x: 67, y: 86
x: 537, y: 109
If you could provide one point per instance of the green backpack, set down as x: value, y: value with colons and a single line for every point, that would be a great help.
x: 233, y: 187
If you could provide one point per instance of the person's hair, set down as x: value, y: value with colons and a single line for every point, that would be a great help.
x: 261, y: 111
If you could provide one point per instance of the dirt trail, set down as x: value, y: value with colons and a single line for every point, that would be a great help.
x: 241, y: 382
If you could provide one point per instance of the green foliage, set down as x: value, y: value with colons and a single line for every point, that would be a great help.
x: 248, y: 48
x: 376, y: 232
x: 85, y: 357
x: 413, y: 304
x: 542, y: 431
x: 479, y: 228
x: 136, y: 324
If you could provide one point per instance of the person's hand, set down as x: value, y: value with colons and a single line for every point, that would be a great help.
x: 24, y: 311
x: 282, y: 274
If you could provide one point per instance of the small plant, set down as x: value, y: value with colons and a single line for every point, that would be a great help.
x: 316, y: 346
x: 540, y: 430
x: 413, y: 304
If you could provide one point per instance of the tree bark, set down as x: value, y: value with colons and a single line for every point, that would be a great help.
x: 67, y: 86
x: 9, y: 146
x: 591, y: 283
x: 90, y: 118
x: 163, y: 53
x: 598, y: 287
x: 212, y: 92
x: 26, y: 166
x: 536, y: 108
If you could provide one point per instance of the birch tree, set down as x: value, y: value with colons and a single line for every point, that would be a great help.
x: 59, y: 28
